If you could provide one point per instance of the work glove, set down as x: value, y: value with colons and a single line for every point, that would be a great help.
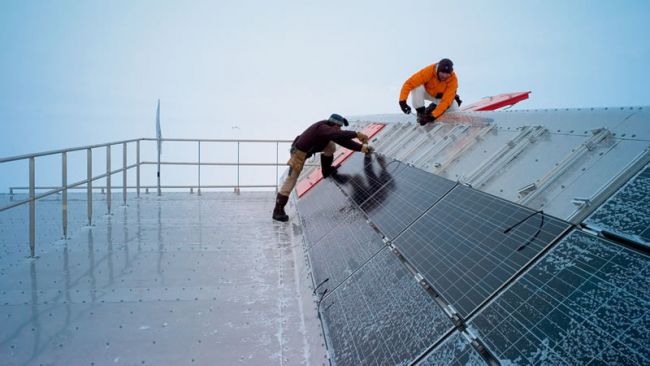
x: 405, y: 107
x: 458, y: 100
x: 367, y: 149
x: 363, y: 138
x: 426, y: 119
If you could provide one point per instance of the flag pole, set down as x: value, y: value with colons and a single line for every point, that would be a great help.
x: 159, y: 137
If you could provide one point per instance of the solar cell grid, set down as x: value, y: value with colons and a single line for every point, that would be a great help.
x: 627, y: 212
x: 461, y: 249
x: 409, y: 194
x: 344, y: 250
x: 322, y: 209
x: 381, y: 316
x: 586, y: 302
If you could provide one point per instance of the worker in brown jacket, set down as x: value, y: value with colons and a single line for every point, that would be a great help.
x: 437, y: 83
x: 319, y: 137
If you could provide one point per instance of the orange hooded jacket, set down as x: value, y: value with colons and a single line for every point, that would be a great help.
x: 433, y: 86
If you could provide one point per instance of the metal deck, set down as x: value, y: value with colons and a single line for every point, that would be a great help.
x: 174, y: 280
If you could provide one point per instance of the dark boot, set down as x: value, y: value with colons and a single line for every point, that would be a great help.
x: 278, y: 211
x: 426, y: 117
x: 326, y: 165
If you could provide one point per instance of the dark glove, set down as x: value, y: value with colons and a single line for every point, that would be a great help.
x: 458, y: 100
x: 405, y: 107
x: 426, y: 119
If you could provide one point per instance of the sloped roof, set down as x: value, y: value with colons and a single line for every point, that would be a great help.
x: 469, y: 211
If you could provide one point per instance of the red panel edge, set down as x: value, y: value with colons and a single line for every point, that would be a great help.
x: 497, y: 101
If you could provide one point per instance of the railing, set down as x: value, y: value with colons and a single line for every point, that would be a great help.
x: 87, y: 183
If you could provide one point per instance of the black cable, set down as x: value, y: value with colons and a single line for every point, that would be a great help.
x: 320, y: 284
x: 539, y: 229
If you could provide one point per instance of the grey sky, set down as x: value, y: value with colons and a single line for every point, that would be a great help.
x: 80, y: 72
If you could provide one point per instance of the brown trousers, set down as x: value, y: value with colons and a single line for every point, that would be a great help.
x: 296, y: 163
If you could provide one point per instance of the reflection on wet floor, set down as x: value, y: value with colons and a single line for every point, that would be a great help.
x: 180, y: 279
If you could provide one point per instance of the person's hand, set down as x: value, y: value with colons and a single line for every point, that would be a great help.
x: 367, y: 149
x: 405, y: 107
x: 458, y: 100
x: 363, y: 138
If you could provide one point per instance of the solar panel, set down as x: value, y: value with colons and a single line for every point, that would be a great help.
x: 322, y: 208
x: 469, y: 243
x: 455, y: 350
x: 381, y: 316
x: 627, y: 213
x: 343, y: 250
x: 586, y: 302
x: 361, y: 176
x: 410, y: 193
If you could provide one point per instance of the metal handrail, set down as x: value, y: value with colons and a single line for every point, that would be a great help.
x: 87, y: 183
x: 53, y: 152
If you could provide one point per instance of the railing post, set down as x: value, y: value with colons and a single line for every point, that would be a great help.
x: 32, y: 207
x: 277, y: 162
x: 137, y: 162
x: 124, y: 172
x: 199, y: 189
x: 64, y: 184
x: 89, y: 184
x: 108, y: 178
x: 237, y: 190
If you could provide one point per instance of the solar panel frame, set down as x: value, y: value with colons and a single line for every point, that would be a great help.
x: 454, y: 351
x: 587, y: 301
x: 322, y: 209
x: 460, y: 248
x: 344, y: 250
x: 363, y: 328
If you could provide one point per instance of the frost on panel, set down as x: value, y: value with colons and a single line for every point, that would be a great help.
x: 456, y: 350
x: 628, y: 211
x: 587, y: 301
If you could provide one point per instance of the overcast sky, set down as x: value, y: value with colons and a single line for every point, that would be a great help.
x: 80, y: 72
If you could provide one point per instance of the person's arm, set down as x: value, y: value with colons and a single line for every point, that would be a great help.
x: 447, y: 98
x: 344, y: 138
x: 419, y: 78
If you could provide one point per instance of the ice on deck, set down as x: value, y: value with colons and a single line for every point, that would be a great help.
x: 174, y: 280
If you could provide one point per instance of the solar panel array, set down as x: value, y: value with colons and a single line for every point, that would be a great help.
x: 498, y: 268
x: 322, y: 209
x: 462, y: 249
x: 344, y: 250
x: 627, y: 213
x: 586, y: 302
x: 380, y: 316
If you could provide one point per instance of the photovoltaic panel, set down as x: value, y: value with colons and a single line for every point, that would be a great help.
x: 587, y: 302
x: 627, y: 213
x: 360, y: 176
x: 410, y: 193
x: 381, y: 316
x: 470, y: 243
x: 322, y: 208
x: 343, y: 250
x: 455, y: 350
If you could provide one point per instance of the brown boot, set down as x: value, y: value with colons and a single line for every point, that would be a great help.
x: 278, y: 211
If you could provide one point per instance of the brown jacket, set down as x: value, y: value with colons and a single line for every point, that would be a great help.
x: 317, y: 136
x: 429, y: 78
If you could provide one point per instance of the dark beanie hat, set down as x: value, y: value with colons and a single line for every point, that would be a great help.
x: 445, y: 65
x: 338, y: 119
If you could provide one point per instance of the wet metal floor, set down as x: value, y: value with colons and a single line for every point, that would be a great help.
x: 173, y: 280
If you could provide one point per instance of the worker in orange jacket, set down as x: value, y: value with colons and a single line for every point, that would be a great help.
x: 437, y: 83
